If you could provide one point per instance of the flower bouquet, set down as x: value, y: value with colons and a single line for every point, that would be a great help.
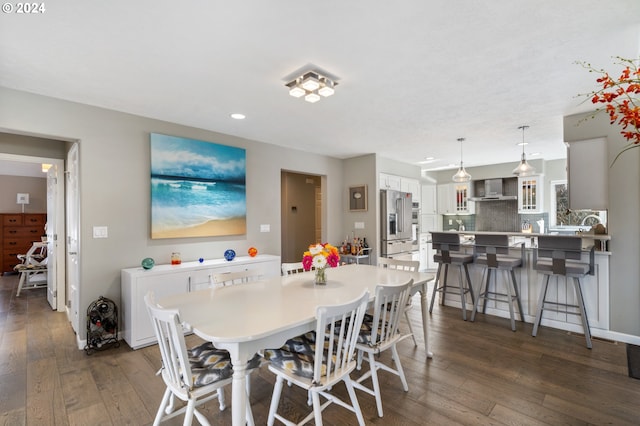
x: 319, y: 257
x: 620, y: 98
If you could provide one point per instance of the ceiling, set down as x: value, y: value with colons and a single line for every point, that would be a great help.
x: 414, y: 76
x: 21, y: 168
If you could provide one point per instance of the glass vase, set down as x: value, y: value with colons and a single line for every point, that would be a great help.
x: 321, y: 276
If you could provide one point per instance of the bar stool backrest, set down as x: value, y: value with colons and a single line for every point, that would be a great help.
x: 560, y: 249
x: 445, y: 242
x: 491, y: 245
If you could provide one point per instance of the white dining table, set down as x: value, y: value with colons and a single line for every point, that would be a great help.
x: 246, y: 318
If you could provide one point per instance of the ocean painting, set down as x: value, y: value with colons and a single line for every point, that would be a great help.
x: 198, y: 188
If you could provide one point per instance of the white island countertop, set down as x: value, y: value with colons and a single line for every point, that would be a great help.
x: 589, y: 239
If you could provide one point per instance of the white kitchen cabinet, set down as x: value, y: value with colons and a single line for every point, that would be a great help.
x: 428, y: 223
x: 530, y: 190
x: 399, y: 183
x: 429, y: 199
x: 453, y: 198
x: 167, y: 280
x: 412, y: 186
x: 390, y: 182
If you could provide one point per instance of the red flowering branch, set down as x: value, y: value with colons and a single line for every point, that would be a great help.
x: 620, y: 98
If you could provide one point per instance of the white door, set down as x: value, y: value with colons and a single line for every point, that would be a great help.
x: 73, y: 247
x: 52, y: 270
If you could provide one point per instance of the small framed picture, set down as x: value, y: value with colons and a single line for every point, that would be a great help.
x: 358, y: 198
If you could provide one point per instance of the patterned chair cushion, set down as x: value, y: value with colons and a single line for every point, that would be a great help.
x: 210, y: 364
x: 296, y: 356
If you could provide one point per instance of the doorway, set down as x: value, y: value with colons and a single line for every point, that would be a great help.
x: 301, y: 217
x: 56, y: 289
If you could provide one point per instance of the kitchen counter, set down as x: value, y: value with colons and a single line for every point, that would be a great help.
x: 529, y: 238
x: 595, y: 287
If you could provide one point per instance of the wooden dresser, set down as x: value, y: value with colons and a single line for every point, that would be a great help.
x: 18, y: 231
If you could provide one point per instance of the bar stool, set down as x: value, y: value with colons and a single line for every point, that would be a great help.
x: 559, y: 256
x: 492, y: 251
x: 448, y: 253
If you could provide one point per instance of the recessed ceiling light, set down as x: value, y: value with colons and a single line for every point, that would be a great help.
x: 427, y: 160
x: 238, y: 116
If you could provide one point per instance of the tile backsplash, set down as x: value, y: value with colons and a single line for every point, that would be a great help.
x: 495, y: 216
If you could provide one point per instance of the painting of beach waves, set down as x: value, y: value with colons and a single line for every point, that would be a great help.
x: 197, y: 188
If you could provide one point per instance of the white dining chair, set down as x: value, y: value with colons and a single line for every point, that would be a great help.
x: 289, y: 268
x: 317, y: 368
x: 402, y: 265
x: 379, y: 332
x: 195, y: 375
x: 238, y: 277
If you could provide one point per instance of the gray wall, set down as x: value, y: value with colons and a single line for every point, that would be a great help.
x: 114, y: 186
x: 10, y: 186
x: 623, y: 218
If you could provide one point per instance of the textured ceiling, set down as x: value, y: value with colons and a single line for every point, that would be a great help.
x: 413, y: 76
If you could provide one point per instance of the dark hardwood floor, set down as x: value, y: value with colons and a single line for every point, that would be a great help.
x: 481, y: 373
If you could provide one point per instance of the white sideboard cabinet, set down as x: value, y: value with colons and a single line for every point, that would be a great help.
x: 167, y: 280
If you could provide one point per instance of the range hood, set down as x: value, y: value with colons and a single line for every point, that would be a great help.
x: 492, y: 191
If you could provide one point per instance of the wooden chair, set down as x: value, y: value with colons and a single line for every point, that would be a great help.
x: 35, y: 256
x: 194, y: 375
x: 32, y: 267
x: 292, y: 268
x: 492, y: 252
x: 379, y: 333
x: 403, y: 265
x: 448, y: 253
x: 233, y: 278
x: 317, y: 368
x: 560, y: 256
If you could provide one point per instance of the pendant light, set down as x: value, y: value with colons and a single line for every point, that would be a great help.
x: 524, y: 168
x: 461, y: 175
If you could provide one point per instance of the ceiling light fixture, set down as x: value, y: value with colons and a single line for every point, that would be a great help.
x: 524, y: 168
x: 461, y: 175
x: 238, y: 116
x: 312, y: 85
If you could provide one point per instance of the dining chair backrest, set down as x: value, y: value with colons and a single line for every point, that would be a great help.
x: 167, y: 326
x: 341, y: 343
x: 239, y: 277
x: 402, y: 265
x: 389, y: 303
x: 289, y: 268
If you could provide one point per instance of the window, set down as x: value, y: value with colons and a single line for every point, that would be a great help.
x: 560, y: 215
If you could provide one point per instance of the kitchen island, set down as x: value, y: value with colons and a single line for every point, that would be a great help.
x: 595, y: 287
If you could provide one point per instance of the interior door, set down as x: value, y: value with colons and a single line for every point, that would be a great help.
x: 73, y: 247
x: 52, y: 261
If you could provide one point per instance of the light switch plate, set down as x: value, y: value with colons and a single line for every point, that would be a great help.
x: 265, y: 228
x: 100, y: 232
x: 358, y: 225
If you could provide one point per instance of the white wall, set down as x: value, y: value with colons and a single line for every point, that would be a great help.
x: 114, y: 186
x: 623, y: 218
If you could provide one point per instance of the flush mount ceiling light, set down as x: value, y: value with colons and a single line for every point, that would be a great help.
x: 461, y: 175
x: 312, y: 85
x: 524, y: 168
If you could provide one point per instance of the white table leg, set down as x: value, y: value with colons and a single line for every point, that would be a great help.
x: 425, y: 315
x: 239, y: 392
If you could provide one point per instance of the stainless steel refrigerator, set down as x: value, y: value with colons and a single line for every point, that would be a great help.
x: 395, y: 224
